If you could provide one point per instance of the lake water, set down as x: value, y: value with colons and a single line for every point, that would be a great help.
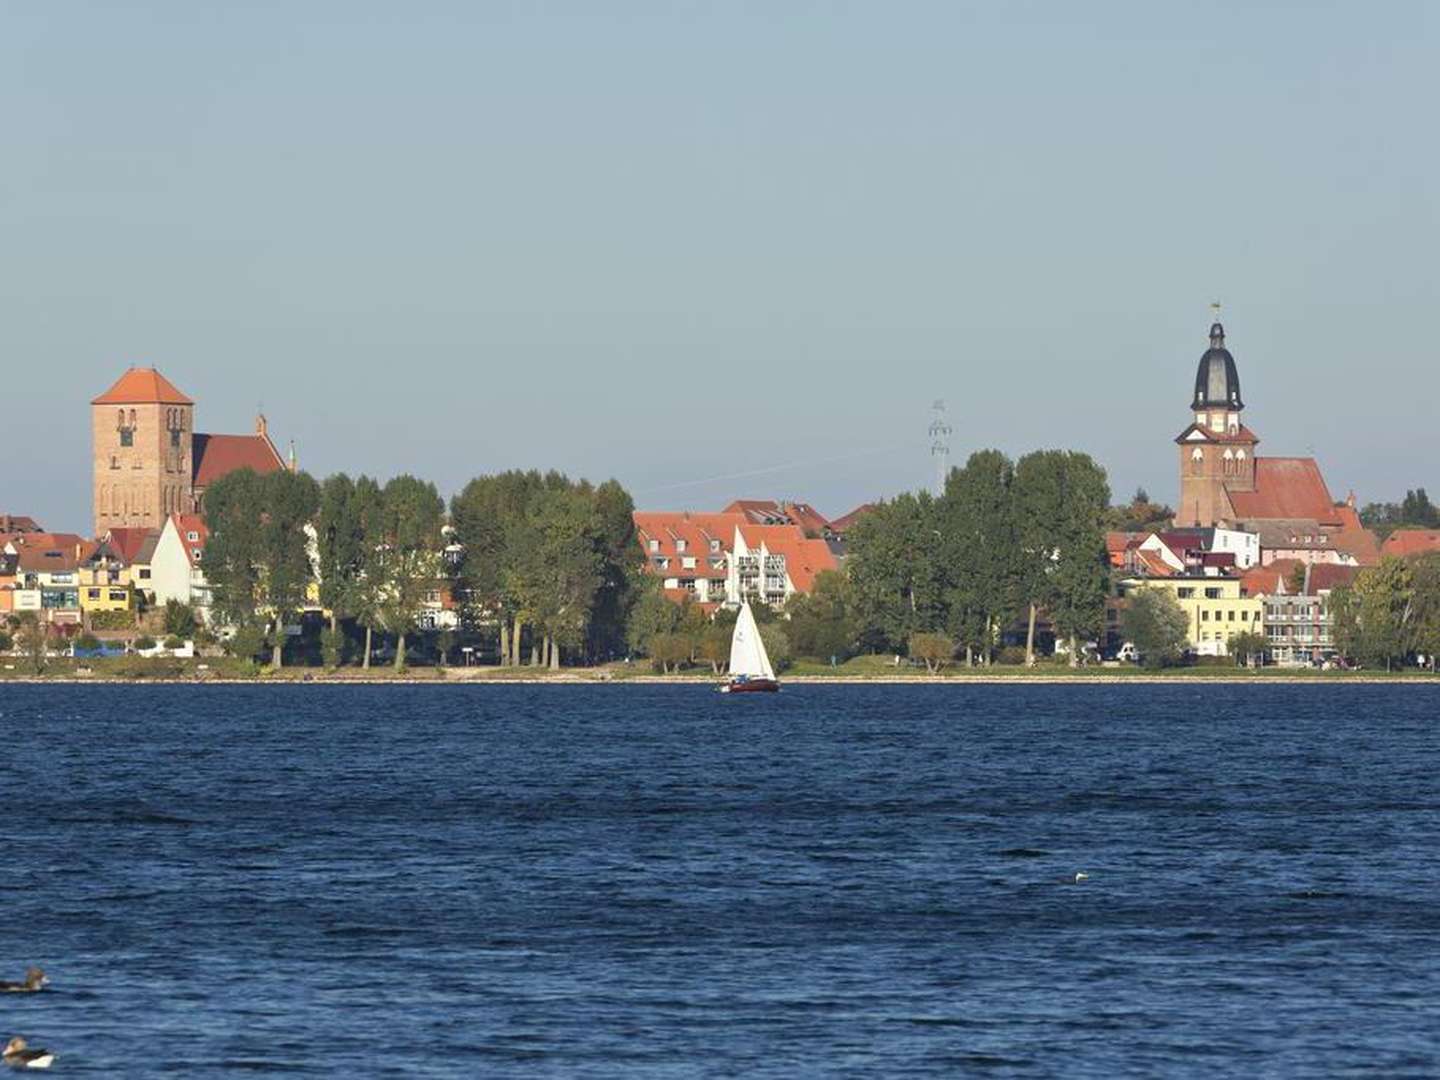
x: 661, y: 881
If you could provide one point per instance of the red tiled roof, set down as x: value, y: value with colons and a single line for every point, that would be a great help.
x: 48, y: 540
x: 39, y: 558
x: 127, y: 542
x: 1153, y: 563
x: 215, y: 455
x: 804, y: 558
x: 1406, y: 542
x: 188, y: 523
x: 142, y: 386
x: 846, y: 521
x: 1285, y: 488
x: 1268, y: 580
x: 1327, y: 576
x: 11, y: 523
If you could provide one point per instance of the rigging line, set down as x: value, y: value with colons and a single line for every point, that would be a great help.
x: 778, y: 468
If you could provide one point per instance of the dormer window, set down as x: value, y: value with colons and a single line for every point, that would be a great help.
x: 654, y: 545
x: 714, y: 545
x: 192, y: 536
x: 679, y: 545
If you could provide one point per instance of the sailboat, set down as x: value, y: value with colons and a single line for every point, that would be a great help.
x: 750, y: 670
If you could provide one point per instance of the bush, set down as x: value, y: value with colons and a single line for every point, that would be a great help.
x: 1011, y: 654
x: 6, y: 642
x: 87, y: 642
x: 143, y: 667
x: 112, y: 620
x: 669, y: 651
x: 173, y: 642
x: 179, y: 619
x: 936, y: 650
x: 332, y: 646
x: 144, y: 642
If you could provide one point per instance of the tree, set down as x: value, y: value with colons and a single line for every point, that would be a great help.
x: 412, y: 513
x: 30, y: 639
x: 1060, y: 502
x: 894, y: 567
x: 1140, y: 515
x: 669, y: 651
x: 1155, y: 624
x: 1425, y: 583
x: 556, y: 577
x: 652, y: 616
x: 340, y: 556
x: 822, y: 624
x: 257, y: 560
x: 1373, y: 617
x: 367, y: 592
x: 936, y: 650
x: 1080, y: 575
x: 714, y: 648
x: 979, y: 550
x: 489, y: 518
x: 1248, y: 648
x: 777, y: 644
x: 179, y: 619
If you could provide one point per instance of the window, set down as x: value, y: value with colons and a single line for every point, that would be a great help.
x: 1212, y: 594
x: 92, y: 594
x: 127, y: 436
x: 145, y: 573
x: 175, y: 438
x: 688, y: 562
x: 1230, y: 617
x: 192, y: 536
x: 1205, y: 616
x: 679, y: 545
x: 714, y: 545
x: 1185, y: 594
x: 119, y: 595
x: 196, y: 553
x: 654, y: 545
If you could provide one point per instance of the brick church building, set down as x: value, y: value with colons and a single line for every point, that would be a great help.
x: 150, y: 462
x: 1223, y: 482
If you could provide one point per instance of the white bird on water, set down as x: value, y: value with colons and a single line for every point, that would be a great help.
x: 18, y: 1055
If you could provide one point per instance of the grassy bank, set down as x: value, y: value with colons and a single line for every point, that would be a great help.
x: 873, y: 669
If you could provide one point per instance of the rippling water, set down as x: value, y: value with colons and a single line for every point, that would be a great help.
x: 567, y: 881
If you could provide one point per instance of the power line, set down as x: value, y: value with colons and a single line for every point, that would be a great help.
x: 874, y: 451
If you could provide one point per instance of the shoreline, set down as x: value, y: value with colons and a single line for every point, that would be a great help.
x: 594, y: 678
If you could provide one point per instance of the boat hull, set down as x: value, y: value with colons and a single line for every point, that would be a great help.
x: 751, y: 686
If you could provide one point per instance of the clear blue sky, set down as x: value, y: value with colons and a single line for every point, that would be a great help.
x: 668, y: 242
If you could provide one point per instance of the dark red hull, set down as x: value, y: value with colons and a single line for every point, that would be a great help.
x: 752, y: 686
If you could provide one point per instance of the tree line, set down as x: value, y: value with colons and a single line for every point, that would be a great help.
x: 1005, y: 541
x: 1390, y: 613
x: 548, y: 561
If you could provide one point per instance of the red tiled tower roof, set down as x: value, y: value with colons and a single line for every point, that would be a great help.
x: 142, y: 386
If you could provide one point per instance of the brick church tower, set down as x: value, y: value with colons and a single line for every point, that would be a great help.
x: 141, y: 429
x: 1217, y: 451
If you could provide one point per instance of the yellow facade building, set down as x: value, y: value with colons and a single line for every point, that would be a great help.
x: 1214, y: 607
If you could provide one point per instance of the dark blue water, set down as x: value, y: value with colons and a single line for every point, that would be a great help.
x: 595, y: 881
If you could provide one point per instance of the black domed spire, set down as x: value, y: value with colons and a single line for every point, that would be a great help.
x: 1217, y: 383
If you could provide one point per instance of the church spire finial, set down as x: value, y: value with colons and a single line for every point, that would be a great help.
x: 1217, y: 332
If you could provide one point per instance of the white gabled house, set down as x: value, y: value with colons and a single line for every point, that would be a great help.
x: 176, y: 570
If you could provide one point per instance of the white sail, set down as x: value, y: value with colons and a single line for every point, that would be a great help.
x: 747, y: 650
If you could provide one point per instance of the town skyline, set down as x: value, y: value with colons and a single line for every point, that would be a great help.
x: 638, y: 245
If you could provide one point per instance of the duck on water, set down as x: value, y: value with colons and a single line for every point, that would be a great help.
x: 34, y: 980
x: 18, y: 1055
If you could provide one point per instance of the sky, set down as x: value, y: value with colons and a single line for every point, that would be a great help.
x: 720, y: 250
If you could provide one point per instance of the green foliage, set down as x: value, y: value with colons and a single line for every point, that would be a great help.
x: 652, y: 616
x: 409, y: 564
x: 1248, y: 647
x: 112, y: 620
x: 1425, y: 581
x: 1156, y: 625
x: 824, y: 623
x: 179, y: 619
x: 895, y: 570
x: 936, y: 650
x: 669, y: 651
x: 6, y: 642
x: 147, y: 667
x: 1374, y: 617
x: 977, y: 524
x: 87, y: 642
x: 777, y: 645
x: 332, y: 646
x: 340, y: 542
x: 1415, y: 511
x: 247, y: 642
x: 713, y: 647
x: 173, y: 642
x: 144, y: 642
x: 30, y: 639
x: 1140, y: 515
